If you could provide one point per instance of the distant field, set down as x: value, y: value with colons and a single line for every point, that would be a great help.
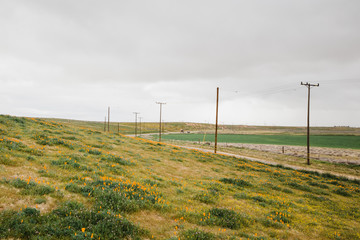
x: 333, y: 141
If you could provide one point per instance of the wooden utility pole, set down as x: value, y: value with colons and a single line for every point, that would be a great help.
x: 160, y: 103
x: 217, y: 115
x: 308, y: 85
x: 136, y: 113
x: 140, y: 125
x: 108, y: 119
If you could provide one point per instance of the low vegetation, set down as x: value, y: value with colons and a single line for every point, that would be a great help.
x: 61, y: 180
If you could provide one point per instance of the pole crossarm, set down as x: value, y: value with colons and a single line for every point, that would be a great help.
x: 310, y: 85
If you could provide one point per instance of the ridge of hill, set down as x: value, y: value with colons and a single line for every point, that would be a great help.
x: 64, y: 181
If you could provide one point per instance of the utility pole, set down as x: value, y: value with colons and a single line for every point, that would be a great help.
x: 308, y: 85
x: 217, y: 114
x: 161, y: 103
x: 140, y: 125
x: 136, y: 113
x: 108, y: 119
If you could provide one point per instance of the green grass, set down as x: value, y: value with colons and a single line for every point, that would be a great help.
x: 64, y: 181
x: 333, y: 141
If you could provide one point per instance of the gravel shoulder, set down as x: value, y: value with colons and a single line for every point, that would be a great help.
x: 335, y: 155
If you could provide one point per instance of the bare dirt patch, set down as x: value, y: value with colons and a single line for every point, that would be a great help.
x: 337, y: 155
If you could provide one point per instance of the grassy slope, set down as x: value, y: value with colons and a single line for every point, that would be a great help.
x: 138, y: 188
x: 334, y: 141
x: 129, y: 127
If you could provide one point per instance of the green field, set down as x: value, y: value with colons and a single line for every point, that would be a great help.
x: 332, y: 141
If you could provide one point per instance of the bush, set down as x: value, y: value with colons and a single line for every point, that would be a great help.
x: 277, y: 219
x: 317, y: 198
x: 30, y: 187
x: 67, y: 163
x: 225, y: 218
x: 208, y: 197
x: 94, y: 152
x: 316, y: 184
x: 299, y: 187
x: 118, y: 202
x: 64, y: 222
x: 43, y: 139
x: 30, y: 158
x: 235, y: 181
x: 196, y: 234
x: 119, y: 196
x: 342, y: 192
x: 116, y: 159
x: 40, y: 200
x: 4, y: 160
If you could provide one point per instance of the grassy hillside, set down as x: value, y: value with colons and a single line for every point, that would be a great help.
x: 334, y: 141
x: 129, y: 127
x: 63, y: 181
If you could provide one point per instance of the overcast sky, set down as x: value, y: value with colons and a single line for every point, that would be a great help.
x: 73, y: 59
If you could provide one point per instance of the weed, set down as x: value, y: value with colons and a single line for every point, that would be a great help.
x: 68, y: 163
x: 196, y: 234
x: 30, y: 187
x: 30, y: 158
x: 5, y: 160
x: 235, y: 181
x: 342, y: 192
x: 151, y: 182
x: 317, y: 198
x: 208, y: 196
x: 317, y: 184
x: 116, y: 159
x: 225, y: 218
x: 43, y: 139
x: 40, y: 200
x: 68, y: 221
x: 241, y: 195
x: 299, y: 186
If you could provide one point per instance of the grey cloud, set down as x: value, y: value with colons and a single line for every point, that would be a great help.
x: 180, y: 51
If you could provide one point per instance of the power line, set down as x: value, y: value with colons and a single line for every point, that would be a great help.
x: 336, y: 81
x: 288, y: 87
x: 267, y: 91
